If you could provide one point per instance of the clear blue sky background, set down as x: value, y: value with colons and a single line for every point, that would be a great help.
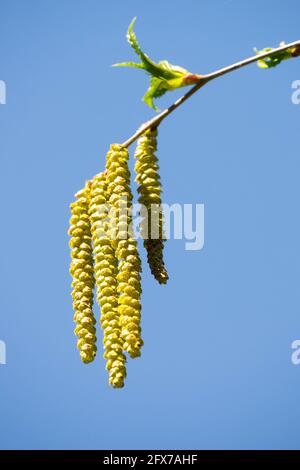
x: 216, y: 368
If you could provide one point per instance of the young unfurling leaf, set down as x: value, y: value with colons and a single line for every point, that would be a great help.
x: 164, y: 76
x: 277, y: 58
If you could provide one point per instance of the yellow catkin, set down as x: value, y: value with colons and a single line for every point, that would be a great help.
x: 129, y: 264
x: 149, y: 189
x: 106, y: 270
x: 82, y: 272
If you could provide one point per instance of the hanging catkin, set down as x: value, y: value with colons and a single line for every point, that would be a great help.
x: 149, y: 189
x: 82, y: 272
x: 129, y: 264
x: 106, y: 270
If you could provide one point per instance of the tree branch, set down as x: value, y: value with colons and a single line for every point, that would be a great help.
x: 156, y: 120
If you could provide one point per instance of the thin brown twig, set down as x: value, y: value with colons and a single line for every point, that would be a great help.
x: 156, y: 120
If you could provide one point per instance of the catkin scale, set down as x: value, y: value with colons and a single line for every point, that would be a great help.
x: 149, y: 189
x: 106, y: 269
x: 129, y: 264
x: 82, y: 272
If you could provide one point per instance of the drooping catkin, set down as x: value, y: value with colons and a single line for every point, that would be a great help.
x: 82, y: 272
x: 149, y: 189
x: 106, y: 270
x: 129, y: 264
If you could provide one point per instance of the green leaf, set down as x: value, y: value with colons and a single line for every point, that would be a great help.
x: 163, y: 75
x: 156, y: 89
x: 128, y: 64
x: 151, y: 67
x: 170, y: 71
x: 262, y: 64
x: 274, y: 59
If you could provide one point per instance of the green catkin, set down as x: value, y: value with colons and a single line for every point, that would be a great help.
x: 82, y: 272
x: 106, y: 270
x: 149, y: 190
x: 129, y: 264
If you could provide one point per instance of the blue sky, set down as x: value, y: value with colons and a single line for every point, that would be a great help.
x: 216, y: 369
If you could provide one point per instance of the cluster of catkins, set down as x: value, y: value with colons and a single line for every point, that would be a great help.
x: 104, y: 254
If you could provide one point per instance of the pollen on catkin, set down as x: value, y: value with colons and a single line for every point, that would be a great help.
x: 129, y: 263
x: 82, y: 272
x: 106, y: 270
x: 149, y: 189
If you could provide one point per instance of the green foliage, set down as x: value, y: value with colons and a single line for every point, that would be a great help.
x: 275, y: 59
x: 163, y: 75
